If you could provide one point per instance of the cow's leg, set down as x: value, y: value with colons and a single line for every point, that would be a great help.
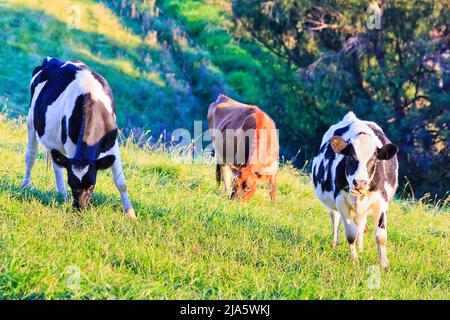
x: 30, y: 155
x: 351, y: 229
x: 335, y: 221
x: 361, y: 230
x: 272, y: 187
x: 227, y: 175
x: 381, y: 232
x: 119, y: 180
x: 60, y: 183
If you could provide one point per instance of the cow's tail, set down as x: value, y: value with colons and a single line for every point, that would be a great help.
x: 218, y: 174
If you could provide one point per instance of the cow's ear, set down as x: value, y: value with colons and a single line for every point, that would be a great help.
x: 60, y: 159
x: 387, y: 151
x: 338, y: 144
x: 105, y: 162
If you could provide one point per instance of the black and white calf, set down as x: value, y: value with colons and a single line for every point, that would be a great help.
x: 355, y: 173
x: 72, y: 113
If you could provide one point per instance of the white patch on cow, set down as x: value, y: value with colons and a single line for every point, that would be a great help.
x: 350, y: 116
x: 94, y: 87
x: 73, y: 63
x: 62, y: 106
x: 365, y: 146
x: 80, y: 172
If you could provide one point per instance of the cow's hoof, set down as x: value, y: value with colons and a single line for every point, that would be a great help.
x: 384, y: 264
x: 130, y: 214
x: 26, y: 185
x: 65, y: 196
x: 335, y: 244
x: 354, y: 258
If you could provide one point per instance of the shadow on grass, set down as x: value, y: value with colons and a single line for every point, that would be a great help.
x: 48, y: 197
x: 44, y: 197
x: 99, y: 200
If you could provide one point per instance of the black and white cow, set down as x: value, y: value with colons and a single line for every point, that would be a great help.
x: 72, y: 113
x: 355, y: 173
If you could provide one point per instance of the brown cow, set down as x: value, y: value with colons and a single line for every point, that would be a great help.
x: 246, y: 143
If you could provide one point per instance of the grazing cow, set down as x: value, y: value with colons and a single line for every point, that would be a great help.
x: 355, y: 173
x: 246, y: 144
x: 72, y: 113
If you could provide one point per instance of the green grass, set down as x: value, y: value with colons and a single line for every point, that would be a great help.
x: 191, y: 242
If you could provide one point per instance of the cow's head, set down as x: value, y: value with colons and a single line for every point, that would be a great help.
x: 244, y: 183
x: 362, y: 157
x: 82, y: 175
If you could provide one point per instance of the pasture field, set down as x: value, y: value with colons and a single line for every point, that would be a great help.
x: 190, y: 242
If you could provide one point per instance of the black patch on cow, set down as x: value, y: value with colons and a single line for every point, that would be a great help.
x: 381, y: 223
x: 322, y: 149
x: 340, y: 181
x: 377, y: 183
x: 63, y: 130
x: 327, y: 185
x: 386, y: 170
x: 320, y: 172
x: 341, y: 131
x: 36, y: 70
x: 351, y: 166
x: 76, y: 119
x: 108, y: 140
x: 352, y: 162
x: 36, y: 81
x: 57, y: 81
x: 93, y: 128
x: 313, y: 177
x: 330, y: 152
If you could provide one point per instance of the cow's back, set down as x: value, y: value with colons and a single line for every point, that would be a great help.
x: 228, y: 114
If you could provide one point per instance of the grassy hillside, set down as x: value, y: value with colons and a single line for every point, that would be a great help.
x: 191, y: 242
x: 163, y: 75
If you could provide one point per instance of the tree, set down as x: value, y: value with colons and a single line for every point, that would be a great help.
x: 388, y: 61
